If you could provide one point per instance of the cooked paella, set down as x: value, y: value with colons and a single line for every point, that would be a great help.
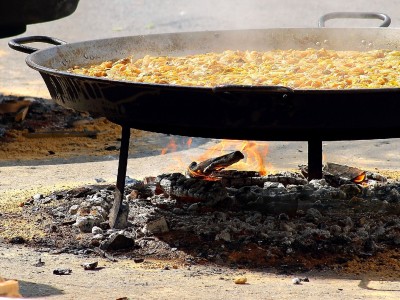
x: 297, y: 69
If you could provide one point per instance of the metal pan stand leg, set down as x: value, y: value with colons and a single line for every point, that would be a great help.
x: 314, y: 159
x: 122, y: 164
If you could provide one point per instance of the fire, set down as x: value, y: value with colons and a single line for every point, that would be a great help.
x: 360, y: 178
x: 198, y: 174
x: 171, y: 147
x: 189, y: 142
x: 255, y: 154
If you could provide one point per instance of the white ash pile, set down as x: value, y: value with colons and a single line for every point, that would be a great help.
x: 279, y: 218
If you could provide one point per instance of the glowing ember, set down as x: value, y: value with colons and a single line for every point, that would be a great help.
x: 360, y: 178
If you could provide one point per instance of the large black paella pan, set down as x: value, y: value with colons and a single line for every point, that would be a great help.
x: 231, y: 112
x: 235, y: 112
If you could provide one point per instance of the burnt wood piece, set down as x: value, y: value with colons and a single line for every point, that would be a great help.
x: 287, y: 178
x: 345, y: 172
x: 238, y: 179
x: 205, y: 168
x: 235, y: 174
x: 376, y: 176
x: 244, y: 181
x: 178, y: 187
x: 337, y: 174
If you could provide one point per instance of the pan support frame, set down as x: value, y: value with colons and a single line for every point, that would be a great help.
x: 314, y: 168
x: 314, y: 158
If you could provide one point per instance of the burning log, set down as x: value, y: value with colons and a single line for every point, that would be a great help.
x: 337, y: 174
x: 344, y: 172
x: 205, y: 168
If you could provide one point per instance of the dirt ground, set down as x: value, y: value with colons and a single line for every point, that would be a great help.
x: 28, y: 168
x: 167, y: 280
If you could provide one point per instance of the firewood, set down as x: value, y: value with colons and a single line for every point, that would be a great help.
x: 345, y: 172
x: 205, y: 168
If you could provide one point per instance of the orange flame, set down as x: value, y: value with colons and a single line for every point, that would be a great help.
x: 360, y: 178
x: 171, y: 147
x: 198, y: 174
x: 189, y: 143
x: 254, y: 153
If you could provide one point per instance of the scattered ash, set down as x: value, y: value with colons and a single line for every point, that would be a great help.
x: 295, y: 228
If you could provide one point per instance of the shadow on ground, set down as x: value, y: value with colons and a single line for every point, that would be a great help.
x: 31, y: 289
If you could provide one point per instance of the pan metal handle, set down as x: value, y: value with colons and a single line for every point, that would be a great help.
x: 18, y: 43
x: 252, y: 88
x: 355, y: 15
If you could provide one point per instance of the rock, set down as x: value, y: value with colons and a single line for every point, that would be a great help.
x: 17, y: 240
x: 39, y: 263
x: 37, y: 196
x: 131, y: 181
x: 96, y: 240
x: 156, y: 226
x: 351, y: 190
x: 224, y: 236
x: 335, y: 230
x: 285, y: 227
x: 394, y: 196
x: 272, y: 201
x: 97, y: 230
x: 348, y: 222
x: 73, y: 209
x: 134, y: 194
x: 99, y: 211
x: 296, y: 280
x: 90, y: 266
x: 370, y: 246
x: 193, y: 207
x: 313, y: 215
x: 104, y: 225
x: 283, y: 217
x: 135, y: 184
x: 318, y: 183
x: 255, y: 218
x: 65, y: 271
x: 118, y: 240
x: 85, y: 224
x: 273, y: 185
x: 240, y: 280
x: 138, y: 260
x: 178, y: 211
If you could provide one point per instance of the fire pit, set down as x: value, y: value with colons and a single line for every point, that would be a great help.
x: 231, y: 112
